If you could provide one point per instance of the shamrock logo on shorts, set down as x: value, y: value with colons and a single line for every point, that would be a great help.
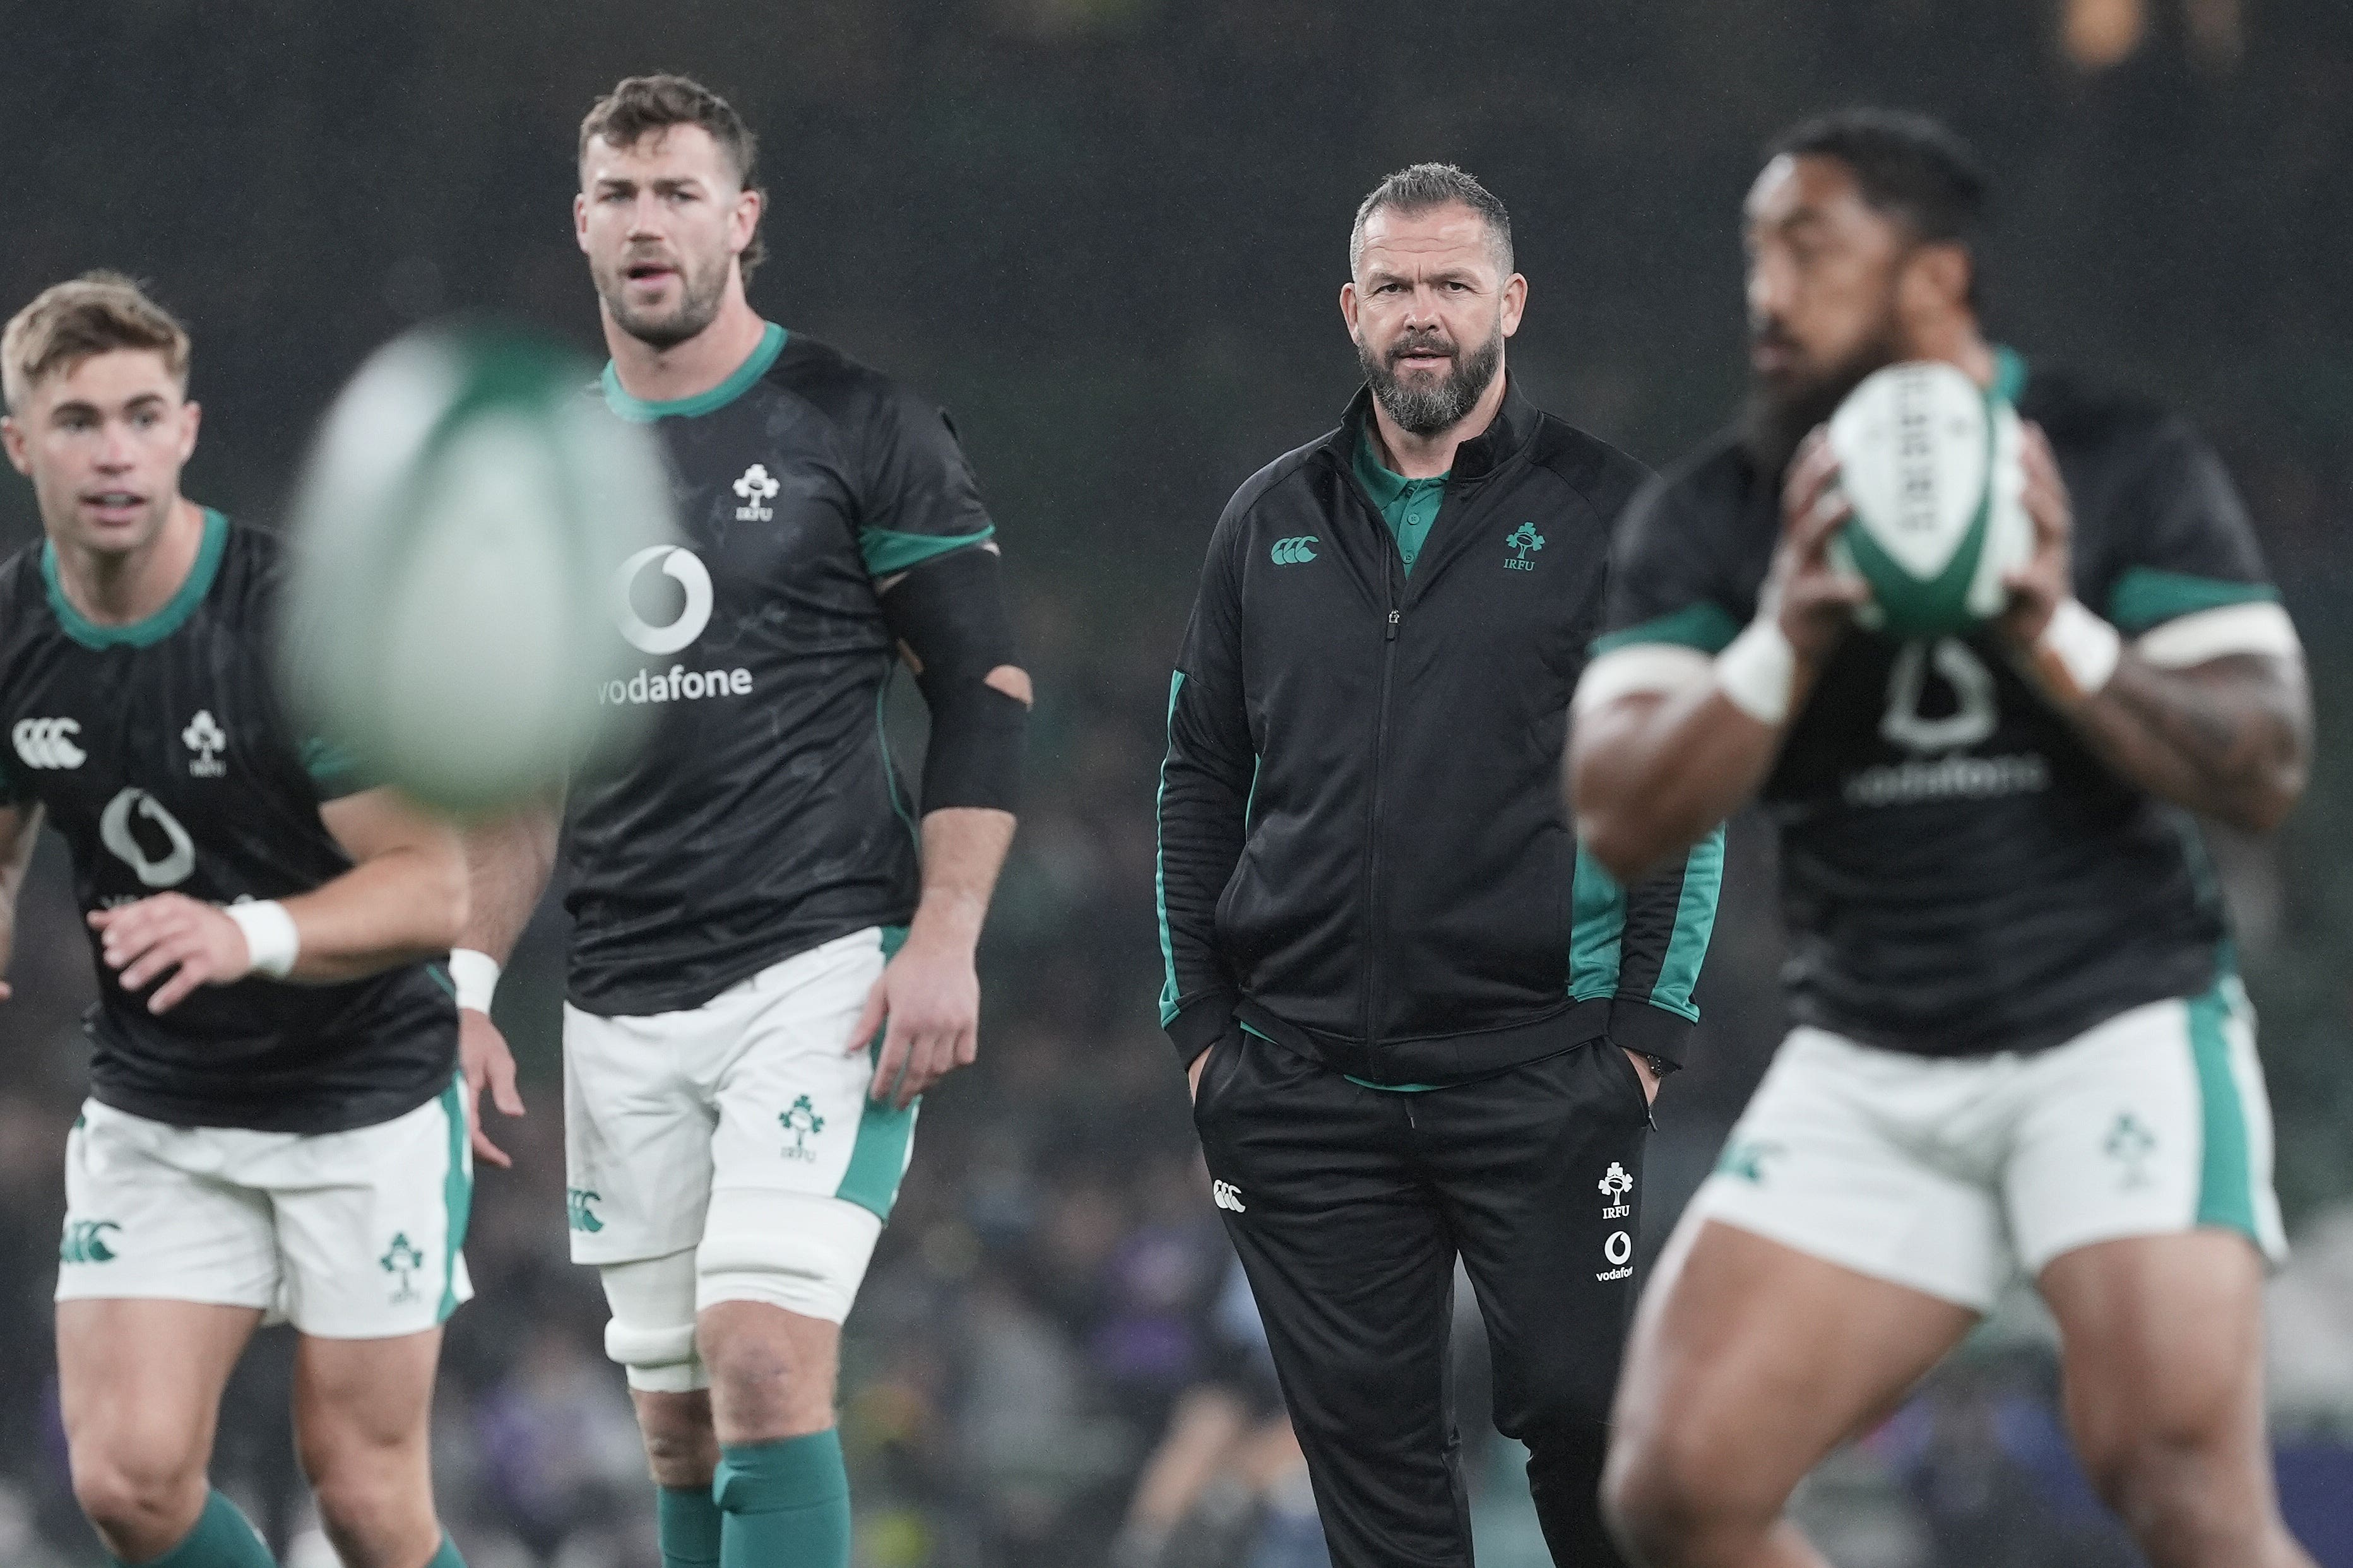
x: 403, y: 1259
x: 2130, y: 1144
x: 1744, y: 1159
x: 804, y: 1124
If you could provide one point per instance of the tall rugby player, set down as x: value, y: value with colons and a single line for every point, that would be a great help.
x: 750, y: 904
x: 2020, y: 1043
x: 275, y: 1126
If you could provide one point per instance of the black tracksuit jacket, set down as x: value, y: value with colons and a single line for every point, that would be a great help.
x: 1364, y: 852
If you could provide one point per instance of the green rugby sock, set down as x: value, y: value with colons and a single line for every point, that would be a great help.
x: 223, y: 1538
x: 787, y: 1503
x: 448, y: 1556
x: 689, y: 1520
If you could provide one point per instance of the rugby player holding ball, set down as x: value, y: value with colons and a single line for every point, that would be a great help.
x: 2020, y: 1043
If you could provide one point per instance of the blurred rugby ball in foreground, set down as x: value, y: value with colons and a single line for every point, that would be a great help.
x: 454, y: 532
x: 1929, y: 463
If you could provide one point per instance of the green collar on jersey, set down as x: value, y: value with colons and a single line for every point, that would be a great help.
x: 638, y: 410
x: 155, y: 629
x: 2009, y: 374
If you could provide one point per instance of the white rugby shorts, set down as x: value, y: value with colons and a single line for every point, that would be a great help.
x: 754, y: 1090
x: 347, y: 1235
x: 1949, y: 1175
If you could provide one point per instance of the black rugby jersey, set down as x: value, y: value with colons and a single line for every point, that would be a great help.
x: 161, y: 753
x: 763, y: 816
x: 1960, y: 875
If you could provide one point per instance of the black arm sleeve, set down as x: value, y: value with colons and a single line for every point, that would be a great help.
x: 951, y: 613
x: 1204, y: 789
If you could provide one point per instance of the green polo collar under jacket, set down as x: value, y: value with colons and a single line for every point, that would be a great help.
x: 1408, y: 506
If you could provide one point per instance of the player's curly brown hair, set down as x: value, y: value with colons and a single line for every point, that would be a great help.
x: 68, y: 322
x: 640, y: 106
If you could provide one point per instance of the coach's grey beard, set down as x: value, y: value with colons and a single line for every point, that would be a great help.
x: 1427, y: 410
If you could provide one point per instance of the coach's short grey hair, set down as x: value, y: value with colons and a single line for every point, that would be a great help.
x: 1422, y: 186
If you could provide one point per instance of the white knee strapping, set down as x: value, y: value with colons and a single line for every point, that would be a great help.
x: 651, y: 1331
x: 803, y: 1253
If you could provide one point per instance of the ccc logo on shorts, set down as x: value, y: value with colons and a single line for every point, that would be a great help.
x: 85, y: 1241
x: 1295, y: 551
x: 48, y: 742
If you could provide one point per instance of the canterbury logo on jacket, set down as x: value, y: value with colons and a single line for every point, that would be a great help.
x: 1363, y: 847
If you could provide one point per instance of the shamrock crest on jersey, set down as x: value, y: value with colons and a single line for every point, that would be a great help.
x: 804, y: 1124
x: 757, y: 486
x: 204, y: 736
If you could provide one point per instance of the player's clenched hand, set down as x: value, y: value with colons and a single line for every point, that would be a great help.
x: 1813, y: 600
x: 927, y: 1003
x: 2048, y: 578
x: 483, y: 1057
x: 192, y: 941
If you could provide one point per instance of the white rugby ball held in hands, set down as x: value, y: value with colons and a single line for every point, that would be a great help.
x: 1928, y: 461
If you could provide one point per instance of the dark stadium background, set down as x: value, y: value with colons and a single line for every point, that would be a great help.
x: 1108, y: 233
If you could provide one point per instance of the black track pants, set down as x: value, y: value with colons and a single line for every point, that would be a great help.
x: 1349, y: 1206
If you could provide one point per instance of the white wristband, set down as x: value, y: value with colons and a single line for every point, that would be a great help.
x: 1757, y: 672
x: 2077, y: 651
x: 270, y: 940
x: 476, y: 975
